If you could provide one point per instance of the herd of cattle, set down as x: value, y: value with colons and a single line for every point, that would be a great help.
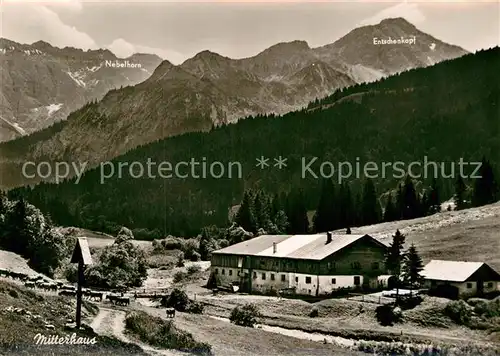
x: 40, y: 282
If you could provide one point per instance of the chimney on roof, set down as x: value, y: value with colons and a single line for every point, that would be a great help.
x: 328, y: 237
x: 275, y: 249
x: 348, y: 231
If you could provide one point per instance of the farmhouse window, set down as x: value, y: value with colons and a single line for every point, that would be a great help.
x: 283, y: 277
x: 490, y: 284
x: 255, y: 275
x: 469, y: 285
x: 334, y: 280
x: 223, y: 271
x: 296, y: 279
x: 272, y: 276
x: 357, y: 280
x: 263, y: 276
x: 230, y: 272
x: 216, y: 271
x: 308, y: 280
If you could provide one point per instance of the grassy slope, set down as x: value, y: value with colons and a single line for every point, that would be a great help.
x: 18, y: 331
x: 471, y: 234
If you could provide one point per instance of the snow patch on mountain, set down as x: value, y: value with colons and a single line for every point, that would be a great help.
x: 19, y: 128
x: 52, y: 108
x: 76, y: 77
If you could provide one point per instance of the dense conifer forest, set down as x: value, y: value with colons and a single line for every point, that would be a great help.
x: 445, y: 112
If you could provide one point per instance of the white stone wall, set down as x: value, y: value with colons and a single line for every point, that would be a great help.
x: 306, y: 284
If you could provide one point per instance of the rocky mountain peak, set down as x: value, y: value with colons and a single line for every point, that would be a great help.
x: 286, y: 48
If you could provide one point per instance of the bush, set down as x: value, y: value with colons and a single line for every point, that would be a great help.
x: 160, y: 333
x: 195, y: 257
x: 180, y: 261
x: 178, y: 300
x: 459, y: 311
x: 194, y: 307
x: 314, y: 312
x: 387, y: 315
x: 488, y: 309
x: 180, y: 276
x: 409, y: 303
x: 121, y: 264
x: 245, y: 315
x: 173, y: 243
x: 193, y: 269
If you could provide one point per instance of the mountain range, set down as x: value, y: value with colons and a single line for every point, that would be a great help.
x: 209, y: 90
x: 42, y: 84
x: 441, y: 114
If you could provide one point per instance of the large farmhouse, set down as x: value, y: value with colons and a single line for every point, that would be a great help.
x: 306, y: 264
x: 459, y: 279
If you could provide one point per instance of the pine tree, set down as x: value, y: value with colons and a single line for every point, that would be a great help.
x: 410, y: 200
x: 390, y: 212
x: 261, y: 211
x: 245, y: 216
x: 324, y: 217
x: 459, y: 198
x: 412, y: 267
x: 400, y: 202
x: 297, y: 214
x: 370, y: 207
x: 281, y: 222
x: 485, y: 188
x: 434, y: 203
x: 394, y: 257
x: 345, y: 206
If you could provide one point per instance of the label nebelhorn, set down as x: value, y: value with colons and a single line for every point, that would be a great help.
x: 81, y: 255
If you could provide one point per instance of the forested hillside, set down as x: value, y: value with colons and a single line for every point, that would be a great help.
x: 445, y: 112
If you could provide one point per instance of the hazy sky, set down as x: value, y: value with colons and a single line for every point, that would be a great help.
x: 178, y: 30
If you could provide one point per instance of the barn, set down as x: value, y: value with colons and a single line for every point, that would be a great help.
x: 314, y: 265
x: 460, y: 279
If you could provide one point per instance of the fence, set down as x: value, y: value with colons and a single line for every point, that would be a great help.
x: 370, y: 298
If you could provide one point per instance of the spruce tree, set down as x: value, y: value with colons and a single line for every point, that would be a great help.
x: 460, y: 190
x: 434, y: 203
x: 412, y: 267
x: 324, y: 217
x: 485, y: 188
x: 410, y: 200
x: 400, y: 202
x: 297, y: 214
x: 345, y: 206
x: 245, y: 216
x: 370, y: 207
x: 394, y: 257
x: 390, y: 211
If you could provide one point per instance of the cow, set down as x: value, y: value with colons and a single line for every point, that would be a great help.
x: 122, y: 301
x: 96, y: 295
x: 112, y: 297
x: 170, y: 312
x: 29, y: 284
x: 68, y: 288
x: 68, y: 293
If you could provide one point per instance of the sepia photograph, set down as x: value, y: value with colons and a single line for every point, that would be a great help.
x: 261, y: 178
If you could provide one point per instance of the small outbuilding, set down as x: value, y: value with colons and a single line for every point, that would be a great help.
x: 460, y: 279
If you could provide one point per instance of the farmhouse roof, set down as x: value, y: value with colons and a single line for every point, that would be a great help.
x: 453, y: 271
x: 308, y: 247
